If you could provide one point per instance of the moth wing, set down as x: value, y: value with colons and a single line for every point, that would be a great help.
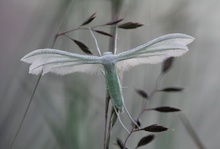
x: 154, y: 51
x: 60, y: 62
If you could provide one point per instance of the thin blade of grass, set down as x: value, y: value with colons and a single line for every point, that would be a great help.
x: 191, y: 131
x: 25, y: 113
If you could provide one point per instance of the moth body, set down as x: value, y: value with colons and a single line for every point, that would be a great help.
x: 114, y: 86
x: 112, y: 80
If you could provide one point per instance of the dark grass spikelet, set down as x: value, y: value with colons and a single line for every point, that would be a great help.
x: 145, y: 140
x: 129, y: 25
x: 166, y: 109
x: 89, y: 19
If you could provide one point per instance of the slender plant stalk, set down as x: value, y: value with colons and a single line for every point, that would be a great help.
x: 182, y: 117
x: 116, y: 6
x: 63, y: 20
x: 106, y: 117
x: 111, y: 121
x: 191, y: 130
x: 25, y: 113
x: 157, y: 86
x: 38, y: 80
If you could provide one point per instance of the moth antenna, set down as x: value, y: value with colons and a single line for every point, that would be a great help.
x: 96, y: 42
x: 116, y: 41
x: 121, y: 121
x: 126, y: 110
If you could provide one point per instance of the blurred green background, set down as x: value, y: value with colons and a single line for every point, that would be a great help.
x: 68, y: 111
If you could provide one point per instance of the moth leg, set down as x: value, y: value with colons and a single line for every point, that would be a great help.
x: 120, y: 120
x: 129, y: 115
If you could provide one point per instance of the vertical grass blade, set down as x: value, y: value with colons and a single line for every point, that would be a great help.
x: 25, y: 113
x: 191, y: 131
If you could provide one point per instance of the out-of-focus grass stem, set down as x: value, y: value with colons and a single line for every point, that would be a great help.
x: 115, y: 7
x: 191, y: 130
x: 65, y: 15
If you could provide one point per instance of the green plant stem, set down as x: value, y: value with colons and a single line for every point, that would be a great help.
x: 25, y: 113
x: 191, y: 130
x: 112, y: 121
x: 38, y: 80
x: 157, y: 85
x: 116, y: 6
x: 106, y: 117
x: 62, y: 21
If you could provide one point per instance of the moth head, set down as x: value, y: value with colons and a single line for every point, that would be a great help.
x: 108, y: 58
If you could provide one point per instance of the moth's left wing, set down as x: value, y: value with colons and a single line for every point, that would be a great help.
x: 60, y: 62
x: 154, y: 51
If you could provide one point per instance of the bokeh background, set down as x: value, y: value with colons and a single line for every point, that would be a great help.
x: 68, y: 111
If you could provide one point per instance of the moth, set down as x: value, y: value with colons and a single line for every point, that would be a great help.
x: 62, y: 63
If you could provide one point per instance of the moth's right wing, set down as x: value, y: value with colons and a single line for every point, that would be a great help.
x: 60, y: 62
x: 154, y: 51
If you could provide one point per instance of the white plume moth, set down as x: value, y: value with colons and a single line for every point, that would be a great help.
x: 152, y: 52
